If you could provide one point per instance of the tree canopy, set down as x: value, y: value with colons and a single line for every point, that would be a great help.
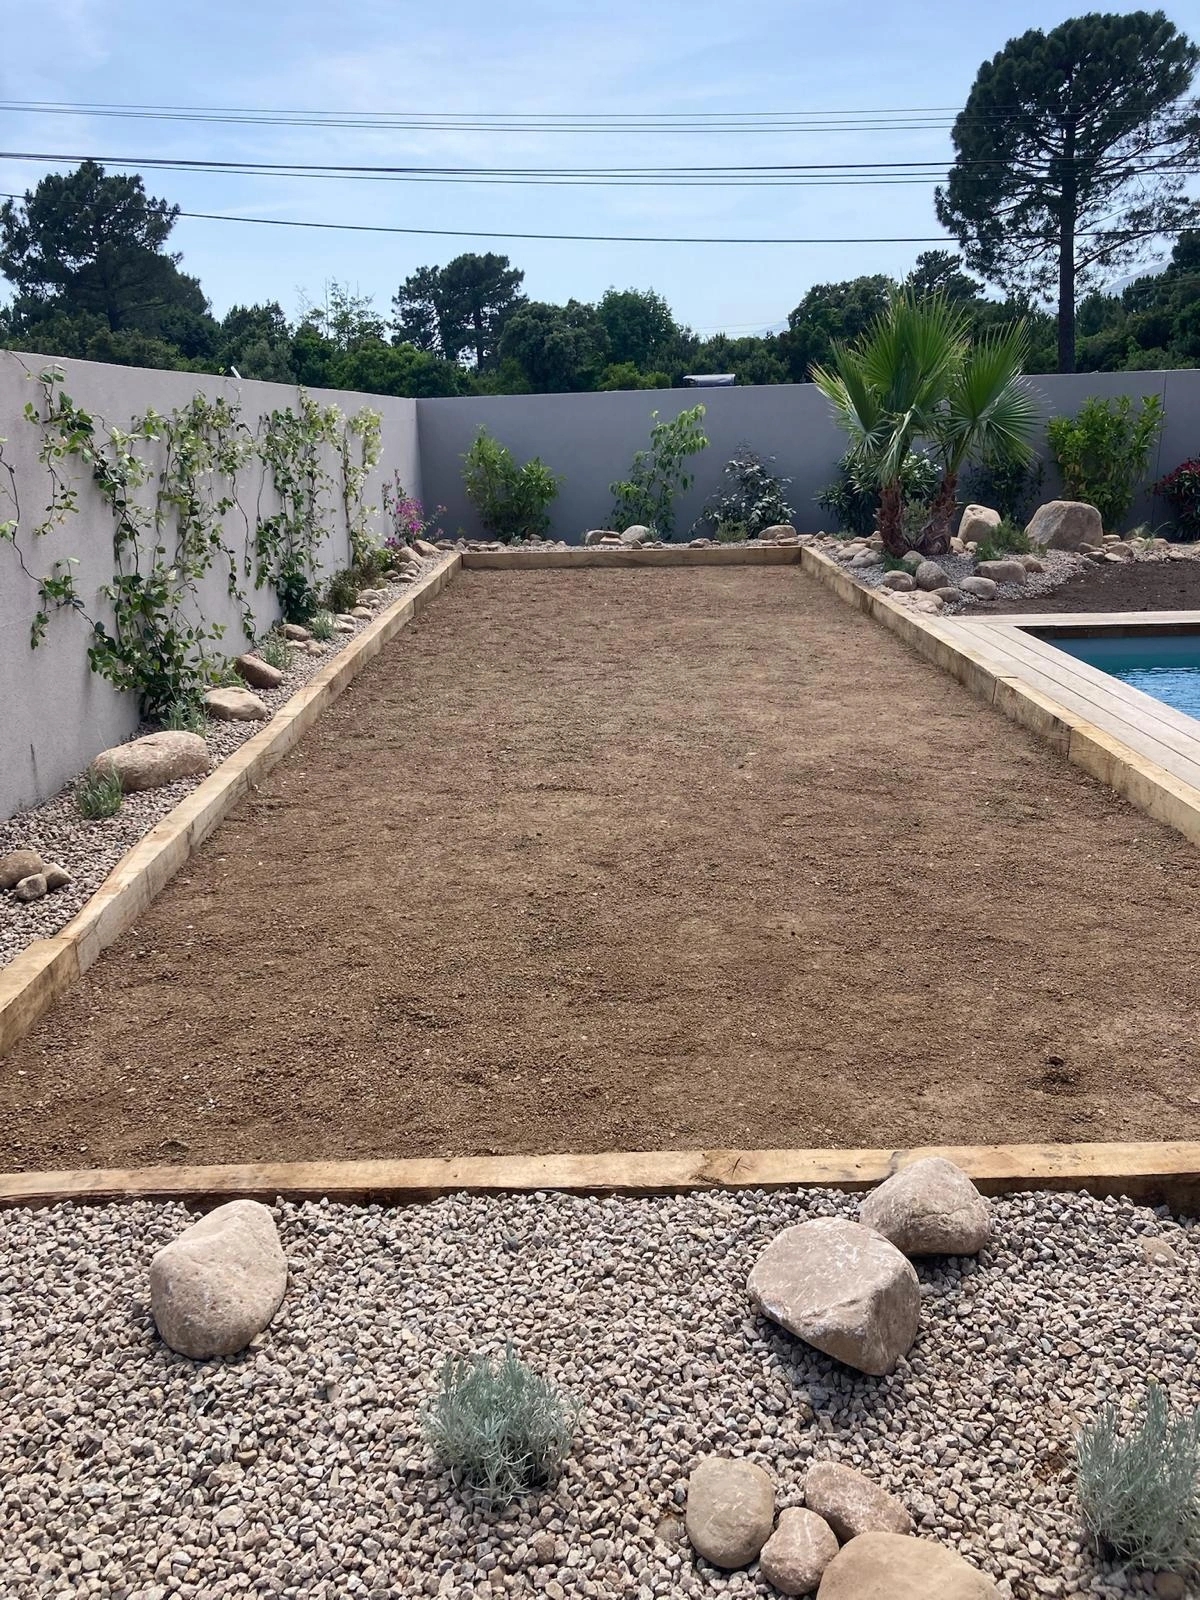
x: 460, y: 308
x: 1072, y: 156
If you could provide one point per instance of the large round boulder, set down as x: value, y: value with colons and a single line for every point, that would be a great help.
x: 1065, y: 525
x: 892, y: 1566
x: 730, y: 1510
x: 220, y: 1282
x: 154, y: 760
x: 976, y: 523
x: 843, y: 1289
x: 929, y: 1208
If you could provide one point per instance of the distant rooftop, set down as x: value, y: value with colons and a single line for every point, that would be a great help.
x: 710, y: 380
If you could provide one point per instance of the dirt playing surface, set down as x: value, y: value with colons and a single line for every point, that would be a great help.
x: 633, y: 860
x: 1127, y: 586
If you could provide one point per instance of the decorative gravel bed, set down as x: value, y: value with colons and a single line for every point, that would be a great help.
x: 90, y: 850
x: 298, y: 1469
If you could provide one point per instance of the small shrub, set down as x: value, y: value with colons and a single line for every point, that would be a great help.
x: 342, y: 592
x: 370, y: 565
x: 185, y: 715
x: 659, y: 475
x: 297, y: 597
x: 320, y: 625
x: 1009, y: 539
x: 1102, y: 453
x: 277, y: 651
x: 511, y: 501
x: 499, y: 1429
x: 1140, y: 1495
x: 1181, y: 490
x: 98, y: 794
x: 751, y: 497
x: 854, y: 504
x: 727, y: 531
x: 407, y: 517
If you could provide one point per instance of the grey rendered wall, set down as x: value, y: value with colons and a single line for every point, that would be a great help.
x: 591, y: 438
x: 55, y: 713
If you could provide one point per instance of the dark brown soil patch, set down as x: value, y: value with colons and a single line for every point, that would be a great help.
x: 1127, y: 586
x: 630, y: 860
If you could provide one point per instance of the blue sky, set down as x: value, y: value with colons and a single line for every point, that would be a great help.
x: 471, y: 57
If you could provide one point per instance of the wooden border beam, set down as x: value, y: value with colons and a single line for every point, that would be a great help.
x: 1163, y: 1173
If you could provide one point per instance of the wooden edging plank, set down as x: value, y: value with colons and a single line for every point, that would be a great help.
x: 996, y: 681
x: 682, y: 555
x: 1167, y: 1173
x: 34, y: 979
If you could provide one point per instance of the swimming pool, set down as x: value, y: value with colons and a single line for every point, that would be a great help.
x: 1165, y: 665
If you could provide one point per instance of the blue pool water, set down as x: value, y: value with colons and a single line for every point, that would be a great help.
x: 1166, y: 665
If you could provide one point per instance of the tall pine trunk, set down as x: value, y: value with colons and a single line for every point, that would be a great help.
x: 1066, y: 254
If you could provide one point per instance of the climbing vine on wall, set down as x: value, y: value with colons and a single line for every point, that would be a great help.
x: 171, y: 483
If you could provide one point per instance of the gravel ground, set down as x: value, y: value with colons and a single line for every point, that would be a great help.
x: 90, y: 850
x: 298, y: 1470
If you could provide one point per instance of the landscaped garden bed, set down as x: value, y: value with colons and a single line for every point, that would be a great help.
x: 604, y: 860
x: 300, y: 1466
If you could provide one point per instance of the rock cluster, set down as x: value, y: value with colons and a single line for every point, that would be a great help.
x: 27, y: 877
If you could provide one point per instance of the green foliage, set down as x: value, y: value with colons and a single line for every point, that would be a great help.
x: 728, y: 531
x: 460, y: 308
x: 659, y: 475
x: 511, y: 501
x: 1140, y: 1494
x: 341, y: 593
x: 1013, y: 488
x: 98, y: 794
x: 185, y: 716
x: 1102, y: 453
x: 856, y: 504
x: 1072, y: 155
x: 751, y: 497
x: 297, y: 597
x: 276, y: 650
x: 320, y: 625
x: 640, y: 330
x: 500, y: 1429
x: 1181, y: 490
x: 1009, y: 539
x: 558, y: 349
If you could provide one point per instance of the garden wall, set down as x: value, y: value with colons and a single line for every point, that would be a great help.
x: 55, y: 713
x: 591, y: 438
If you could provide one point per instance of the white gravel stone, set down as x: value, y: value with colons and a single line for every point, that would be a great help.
x: 90, y: 850
x: 110, y: 1444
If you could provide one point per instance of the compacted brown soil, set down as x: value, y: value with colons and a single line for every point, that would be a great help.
x: 1127, y: 586
x: 639, y: 859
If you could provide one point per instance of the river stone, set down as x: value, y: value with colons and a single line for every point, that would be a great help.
x: 1006, y: 570
x: 636, y: 533
x: 32, y: 888
x: 981, y: 588
x: 16, y: 865
x: 797, y: 1553
x: 424, y: 548
x: 730, y: 1510
x: 235, y: 705
x: 911, y: 560
x: 851, y: 1504
x: 843, y: 1289
x: 900, y: 581
x: 930, y: 576
x: 293, y: 630
x: 220, y: 1282
x: 892, y: 1566
x: 259, y: 674
x: 976, y: 523
x: 1065, y: 525
x: 779, y: 530
x: 929, y: 1208
x: 158, y: 758
x: 57, y: 877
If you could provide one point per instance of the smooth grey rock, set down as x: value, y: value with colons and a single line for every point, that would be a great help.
x: 1005, y: 570
x: 851, y: 1504
x: 154, y: 760
x: 57, y: 877
x: 981, y: 588
x: 1065, y: 525
x: 16, y: 865
x: 32, y: 888
x: 929, y: 1208
x: 293, y: 630
x: 259, y: 674
x: 977, y: 522
x: 797, y: 1553
x: 843, y: 1289
x: 220, y: 1282
x: 235, y: 705
x: 930, y: 576
x: 636, y: 534
x: 902, y: 582
x: 730, y: 1510
x: 779, y: 530
x: 424, y: 548
x: 911, y: 560
x: 892, y: 1566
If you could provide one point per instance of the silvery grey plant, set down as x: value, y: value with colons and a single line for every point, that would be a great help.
x: 1140, y: 1492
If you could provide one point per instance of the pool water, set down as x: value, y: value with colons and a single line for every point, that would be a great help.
x: 1164, y: 665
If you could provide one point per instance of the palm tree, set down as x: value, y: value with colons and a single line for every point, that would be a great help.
x: 915, y: 378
